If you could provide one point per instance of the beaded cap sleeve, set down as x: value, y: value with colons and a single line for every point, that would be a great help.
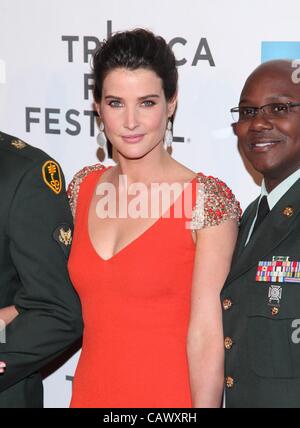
x: 215, y: 203
x: 74, y: 186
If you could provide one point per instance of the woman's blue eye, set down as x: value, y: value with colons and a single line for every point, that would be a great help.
x: 115, y: 103
x: 148, y: 103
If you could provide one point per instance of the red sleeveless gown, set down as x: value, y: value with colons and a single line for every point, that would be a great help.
x: 136, y: 309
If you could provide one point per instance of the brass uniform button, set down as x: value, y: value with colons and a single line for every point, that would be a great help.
x: 274, y: 311
x: 288, y: 211
x: 228, y: 342
x: 229, y: 382
x: 227, y: 303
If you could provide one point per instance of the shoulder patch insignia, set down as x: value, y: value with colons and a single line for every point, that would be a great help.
x: 52, y: 176
x: 63, y: 236
x: 18, y: 144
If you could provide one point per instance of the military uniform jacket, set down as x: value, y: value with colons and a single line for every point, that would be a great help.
x: 261, y: 310
x: 35, y: 237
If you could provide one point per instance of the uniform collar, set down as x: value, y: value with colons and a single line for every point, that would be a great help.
x: 277, y: 193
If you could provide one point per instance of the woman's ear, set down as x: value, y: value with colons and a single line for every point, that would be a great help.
x: 172, y: 103
x: 97, y: 108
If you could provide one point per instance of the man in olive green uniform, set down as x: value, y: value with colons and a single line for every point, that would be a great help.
x: 261, y: 297
x: 35, y: 238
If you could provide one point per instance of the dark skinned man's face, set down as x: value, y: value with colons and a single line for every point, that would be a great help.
x: 272, y: 145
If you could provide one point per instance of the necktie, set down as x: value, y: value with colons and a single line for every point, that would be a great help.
x: 263, y: 211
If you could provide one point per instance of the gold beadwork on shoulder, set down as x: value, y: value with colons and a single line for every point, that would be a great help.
x: 74, y: 186
x: 198, y: 217
x: 18, y: 144
x: 215, y: 203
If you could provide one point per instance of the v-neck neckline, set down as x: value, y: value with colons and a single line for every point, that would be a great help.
x: 140, y: 237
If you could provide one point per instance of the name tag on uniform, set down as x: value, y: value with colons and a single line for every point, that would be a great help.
x: 280, y: 269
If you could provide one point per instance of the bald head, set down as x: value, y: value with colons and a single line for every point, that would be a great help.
x: 279, y: 65
x: 277, y: 76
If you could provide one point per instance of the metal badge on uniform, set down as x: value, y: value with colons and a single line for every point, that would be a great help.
x: 63, y: 236
x: 288, y: 211
x: 275, y: 294
x: 52, y: 176
x: 18, y: 144
x: 280, y: 269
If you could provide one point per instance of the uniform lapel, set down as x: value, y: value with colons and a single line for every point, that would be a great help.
x: 274, y: 228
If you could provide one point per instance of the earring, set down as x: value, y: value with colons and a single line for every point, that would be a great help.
x: 168, y: 140
x: 101, y: 138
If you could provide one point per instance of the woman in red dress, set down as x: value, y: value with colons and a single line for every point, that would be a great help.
x: 149, y: 278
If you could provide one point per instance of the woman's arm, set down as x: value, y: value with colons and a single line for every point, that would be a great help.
x: 205, y: 342
x: 8, y: 314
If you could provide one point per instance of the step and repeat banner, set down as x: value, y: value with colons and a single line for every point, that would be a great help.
x: 46, y: 84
